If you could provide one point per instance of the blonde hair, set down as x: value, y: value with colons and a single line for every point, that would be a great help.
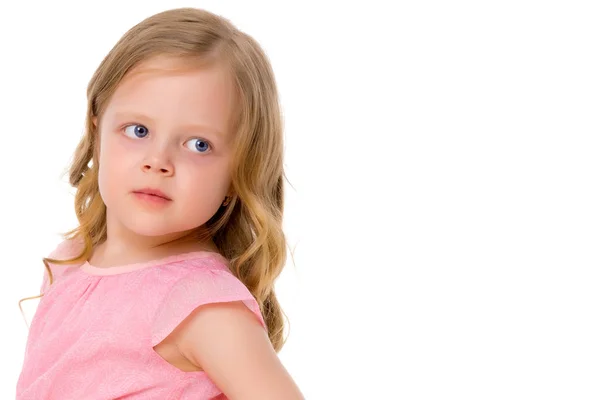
x: 248, y: 231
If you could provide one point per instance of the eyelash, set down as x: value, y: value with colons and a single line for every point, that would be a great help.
x: 210, y: 146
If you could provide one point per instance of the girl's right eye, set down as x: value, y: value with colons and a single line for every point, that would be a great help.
x: 136, y: 131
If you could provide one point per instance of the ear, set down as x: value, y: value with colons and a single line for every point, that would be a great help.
x: 230, y: 192
x: 95, y: 122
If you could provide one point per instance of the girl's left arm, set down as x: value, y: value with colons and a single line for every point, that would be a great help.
x: 228, y: 342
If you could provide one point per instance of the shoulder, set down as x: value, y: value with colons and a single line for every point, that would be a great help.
x: 209, y: 279
x: 197, y: 283
x: 65, y: 250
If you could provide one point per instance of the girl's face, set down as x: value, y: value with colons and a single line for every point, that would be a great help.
x: 167, y: 127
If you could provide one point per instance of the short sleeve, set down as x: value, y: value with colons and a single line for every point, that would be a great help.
x: 45, y: 280
x: 56, y: 253
x: 65, y: 249
x: 197, y: 288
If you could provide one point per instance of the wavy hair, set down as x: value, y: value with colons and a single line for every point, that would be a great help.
x: 248, y: 231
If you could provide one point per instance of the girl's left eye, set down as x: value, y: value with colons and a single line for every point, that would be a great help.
x: 198, y: 145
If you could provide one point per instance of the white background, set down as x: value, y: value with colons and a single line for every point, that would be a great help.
x: 444, y: 158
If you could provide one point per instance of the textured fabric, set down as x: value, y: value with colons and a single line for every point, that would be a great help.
x: 94, y: 330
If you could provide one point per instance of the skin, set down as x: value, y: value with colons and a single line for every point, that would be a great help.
x: 169, y: 126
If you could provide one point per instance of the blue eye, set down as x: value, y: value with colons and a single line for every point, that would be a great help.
x: 140, y: 131
x: 198, y: 145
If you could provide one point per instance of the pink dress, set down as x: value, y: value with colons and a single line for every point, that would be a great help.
x: 94, y: 330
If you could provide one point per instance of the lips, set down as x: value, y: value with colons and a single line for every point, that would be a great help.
x: 153, y: 192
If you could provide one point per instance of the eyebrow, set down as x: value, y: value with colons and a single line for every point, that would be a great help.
x: 141, y: 117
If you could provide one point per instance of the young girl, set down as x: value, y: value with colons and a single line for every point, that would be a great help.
x: 165, y: 289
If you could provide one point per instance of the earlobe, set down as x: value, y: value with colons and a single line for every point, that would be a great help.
x: 95, y: 122
x: 226, y: 201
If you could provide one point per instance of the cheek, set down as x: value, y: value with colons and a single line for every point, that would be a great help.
x: 105, y: 180
x: 110, y: 163
x: 205, y: 187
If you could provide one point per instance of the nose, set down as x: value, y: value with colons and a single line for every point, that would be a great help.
x: 159, y: 165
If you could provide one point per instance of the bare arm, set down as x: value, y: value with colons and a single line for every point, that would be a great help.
x: 229, y: 344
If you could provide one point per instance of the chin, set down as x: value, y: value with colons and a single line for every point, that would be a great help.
x: 147, y: 226
x: 150, y: 229
x: 144, y: 224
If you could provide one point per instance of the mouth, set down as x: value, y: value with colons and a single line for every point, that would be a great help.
x: 153, y: 192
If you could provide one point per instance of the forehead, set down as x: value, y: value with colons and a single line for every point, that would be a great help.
x: 174, y: 90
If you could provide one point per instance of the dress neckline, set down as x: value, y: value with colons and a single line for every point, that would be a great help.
x: 125, y: 268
